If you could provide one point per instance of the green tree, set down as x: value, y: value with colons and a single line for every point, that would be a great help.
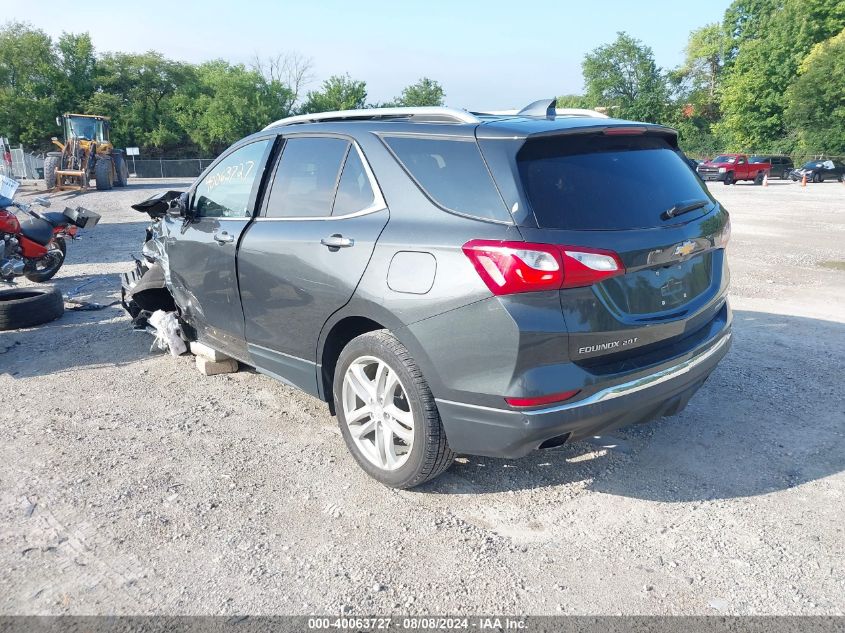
x: 425, y: 92
x: 623, y: 77
x: 753, y: 93
x: 77, y: 66
x: 136, y: 91
x: 743, y: 21
x: 574, y: 101
x: 28, y: 76
x: 339, y: 92
x: 815, y: 102
x: 227, y: 103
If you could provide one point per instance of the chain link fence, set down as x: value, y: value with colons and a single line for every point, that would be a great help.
x: 167, y: 168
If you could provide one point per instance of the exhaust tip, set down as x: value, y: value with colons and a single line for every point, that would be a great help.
x: 554, y: 442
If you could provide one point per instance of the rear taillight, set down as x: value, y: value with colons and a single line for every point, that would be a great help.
x: 511, y: 267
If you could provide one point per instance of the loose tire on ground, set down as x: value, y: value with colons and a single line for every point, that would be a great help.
x: 51, y: 164
x: 430, y: 454
x: 104, y: 173
x: 25, y: 307
x: 48, y: 273
x: 121, y: 170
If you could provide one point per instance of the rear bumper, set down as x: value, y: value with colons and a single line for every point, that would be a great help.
x: 478, y: 430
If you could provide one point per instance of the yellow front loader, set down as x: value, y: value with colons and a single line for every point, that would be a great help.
x: 87, y: 154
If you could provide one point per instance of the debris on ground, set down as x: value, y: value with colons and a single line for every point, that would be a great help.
x: 168, y: 332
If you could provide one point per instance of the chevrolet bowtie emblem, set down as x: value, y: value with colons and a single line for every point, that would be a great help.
x: 685, y: 248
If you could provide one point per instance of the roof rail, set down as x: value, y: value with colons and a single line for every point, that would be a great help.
x: 558, y: 112
x: 425, y: 115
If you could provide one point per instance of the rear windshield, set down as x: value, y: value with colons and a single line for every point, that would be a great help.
x: 599, y: 182
x: 452, y: 173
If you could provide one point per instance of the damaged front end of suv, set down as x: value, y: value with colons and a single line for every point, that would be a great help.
x: 145, y: 289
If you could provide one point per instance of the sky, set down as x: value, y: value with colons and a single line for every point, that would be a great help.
x: 487, y: 55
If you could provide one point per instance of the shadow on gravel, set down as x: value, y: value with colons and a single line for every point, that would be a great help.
x: 771, y: 417
x: 72, y: 343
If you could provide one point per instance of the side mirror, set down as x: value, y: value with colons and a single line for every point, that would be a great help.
x: 180, y: 206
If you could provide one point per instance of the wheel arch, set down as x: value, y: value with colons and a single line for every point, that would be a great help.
x: 350, y: 322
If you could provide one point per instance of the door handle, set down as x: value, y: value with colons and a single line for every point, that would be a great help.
x: 337, y: 241
x: 223, y: 238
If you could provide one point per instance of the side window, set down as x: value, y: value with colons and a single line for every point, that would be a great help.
x: 452, y: 173
x: 354, y: 192
x: 226, y: 190
x: 306, y: 178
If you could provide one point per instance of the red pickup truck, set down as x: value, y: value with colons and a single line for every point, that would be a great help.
x: 732, y: 167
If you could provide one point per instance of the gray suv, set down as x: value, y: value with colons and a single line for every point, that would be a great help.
x: 452, y: 282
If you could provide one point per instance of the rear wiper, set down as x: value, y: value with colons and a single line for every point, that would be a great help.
x: 684, y: 207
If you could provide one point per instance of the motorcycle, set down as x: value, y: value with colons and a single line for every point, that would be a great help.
x: 35, y: 246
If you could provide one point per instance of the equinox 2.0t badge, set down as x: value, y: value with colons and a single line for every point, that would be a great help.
x: 685, y: 248
x: 603, y: 347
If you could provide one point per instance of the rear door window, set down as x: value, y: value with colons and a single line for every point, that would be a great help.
x: 452, y: 173
x: 354, y: 192
x: 306, y: 178
x: 598, y: 182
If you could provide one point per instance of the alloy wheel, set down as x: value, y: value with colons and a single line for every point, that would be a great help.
x: 377, y: 411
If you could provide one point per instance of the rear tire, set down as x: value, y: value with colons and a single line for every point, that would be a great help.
x: 407, y: 406
x: 104, y: 173
x: 51, y: 164
x: 758, y: 179
x: 44, y: 274
x: 729, y: 178
x: 785, y: 175
x: 25, y: 307
x: 121, y: 170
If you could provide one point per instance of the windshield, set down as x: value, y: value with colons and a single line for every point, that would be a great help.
x: 596, y: 182
x: 85, y: 128
x: 725, y: 159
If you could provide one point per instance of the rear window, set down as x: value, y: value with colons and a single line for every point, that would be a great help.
x: 599, y: 182
x: 452, y: 173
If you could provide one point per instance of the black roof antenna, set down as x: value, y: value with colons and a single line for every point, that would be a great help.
x: 542, y: 108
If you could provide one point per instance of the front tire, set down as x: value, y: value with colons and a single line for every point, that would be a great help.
x: 51, y: 165
x: 57, y: 250
x: 729, y: 178
x: 387, y: 414
x: 817, y: 177
x: 104, y: 173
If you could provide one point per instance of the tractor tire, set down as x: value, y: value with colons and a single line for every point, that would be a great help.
x: 25, y: 307
x: 104, y: 173
x: 121, y: 170
x: 51, y: 164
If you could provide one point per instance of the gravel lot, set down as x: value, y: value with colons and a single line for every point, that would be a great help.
x: 130, y: 484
